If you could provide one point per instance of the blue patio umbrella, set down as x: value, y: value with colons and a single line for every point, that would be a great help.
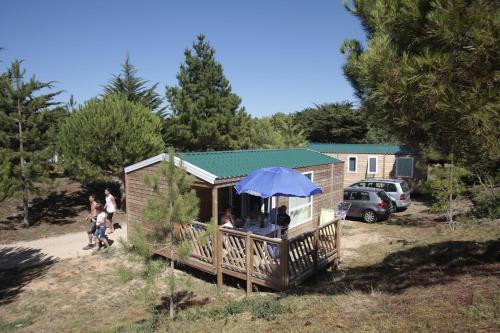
x: 277, y: 181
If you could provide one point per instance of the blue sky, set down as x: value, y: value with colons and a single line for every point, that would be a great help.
x: 280, y: 56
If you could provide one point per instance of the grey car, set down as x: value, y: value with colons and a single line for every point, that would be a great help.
x: 370, y: 204
x: 397, y: 189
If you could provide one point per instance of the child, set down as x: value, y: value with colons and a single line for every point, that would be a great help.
x: 100, y: 224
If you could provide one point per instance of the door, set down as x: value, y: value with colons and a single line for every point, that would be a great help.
x: 354, y: 197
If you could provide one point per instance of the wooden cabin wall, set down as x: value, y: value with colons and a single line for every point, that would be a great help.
x: 138, y: 193
x: 330, y: 177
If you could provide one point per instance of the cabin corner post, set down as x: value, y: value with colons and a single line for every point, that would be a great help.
x: 338, y: 231
x: 127, y: 212
x: 249, y: 261
x: 284, y: 278
x: 218, y: 257
x: 215, y: 205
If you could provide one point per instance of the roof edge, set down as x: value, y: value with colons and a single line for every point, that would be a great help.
x: 191, y: 168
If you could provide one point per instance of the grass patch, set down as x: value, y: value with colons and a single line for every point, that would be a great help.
x: 124, y: 274
x: 33, y: 313
x: 482, y: 309
x: 267, y: 308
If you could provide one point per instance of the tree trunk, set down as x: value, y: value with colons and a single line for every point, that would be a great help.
x: 23, y: 167
x: 171, y: 282
x: 450, y: 197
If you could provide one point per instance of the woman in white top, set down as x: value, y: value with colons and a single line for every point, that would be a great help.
x: 110, y: 208
x: 227, y: 218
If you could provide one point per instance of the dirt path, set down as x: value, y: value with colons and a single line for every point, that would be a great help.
x: 59, y: 247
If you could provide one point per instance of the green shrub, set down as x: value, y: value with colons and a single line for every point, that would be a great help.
x: 487, y: 205
x: 124, y: 274
x: 266, y: 308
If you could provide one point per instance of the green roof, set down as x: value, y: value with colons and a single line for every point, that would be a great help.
x: 361, y: 148
x: 237, y: 163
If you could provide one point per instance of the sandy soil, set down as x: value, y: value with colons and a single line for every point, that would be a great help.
x: 355, y: 238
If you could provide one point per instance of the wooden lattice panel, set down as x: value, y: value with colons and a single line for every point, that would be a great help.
x: 266, y: 259
x: 233, y: 252
x: 194, y: 233
x: 326, y: 242
x: 300, y: 260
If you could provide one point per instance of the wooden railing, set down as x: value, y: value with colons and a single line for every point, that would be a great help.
x: 272, y: 262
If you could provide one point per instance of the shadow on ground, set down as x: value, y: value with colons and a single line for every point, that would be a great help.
x: 421, y: 266
x: 183, y: 299
x: 57, y: 208
x: 18, y: 267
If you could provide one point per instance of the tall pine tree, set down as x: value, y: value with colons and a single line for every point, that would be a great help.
x: 134, y: 88
x: 206, y: 114
x: 26, y: 130
x: 332, y: 122
x: 429, y: 74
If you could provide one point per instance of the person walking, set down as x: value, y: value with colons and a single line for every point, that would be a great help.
x: 100, y: 232
x: 110, y: 208
x: 91, y: 221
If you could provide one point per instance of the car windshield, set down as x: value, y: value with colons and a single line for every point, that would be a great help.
x: 383, y: 196
x: 405, y: 187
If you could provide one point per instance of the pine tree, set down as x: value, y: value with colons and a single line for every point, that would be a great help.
x: 6, y: 182
x: 206, y: 114
x: 25, y: 119
x: 332, y: 122
x: 173, y: 206
x: 264, y: 134
x: 101, y: 137
x: 429, y: 74
x: 134, y: 88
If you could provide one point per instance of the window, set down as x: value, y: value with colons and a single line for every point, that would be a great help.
x: 390, y: 187
x: 372, y: 164
x: 352, y: 164
x: 359, y: 196
x: 365, y: 196
x: 300, y: 209
x: 405, y: 187
x: 404, y: 167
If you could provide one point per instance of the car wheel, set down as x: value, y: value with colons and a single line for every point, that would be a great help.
x: 369, y: 216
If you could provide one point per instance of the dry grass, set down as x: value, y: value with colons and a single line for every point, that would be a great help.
x: 414, y: 276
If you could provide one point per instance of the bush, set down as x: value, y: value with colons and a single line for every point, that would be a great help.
x: 124, y: 274
x: 487, y: 205
x: 267, y: 308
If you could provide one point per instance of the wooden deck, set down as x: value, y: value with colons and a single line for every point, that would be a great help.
x: 271, y: 262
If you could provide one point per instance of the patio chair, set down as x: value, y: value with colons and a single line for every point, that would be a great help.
x: 342, y: 209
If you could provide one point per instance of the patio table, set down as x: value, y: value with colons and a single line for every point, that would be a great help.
x: 269, y: 229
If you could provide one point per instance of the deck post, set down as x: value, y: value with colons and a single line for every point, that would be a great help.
x: 338, y: 231
x: 249, y: 261
x: 215, y: 205
x: 218, y: 256
x: 284, y: 264
x: 315, y: 249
